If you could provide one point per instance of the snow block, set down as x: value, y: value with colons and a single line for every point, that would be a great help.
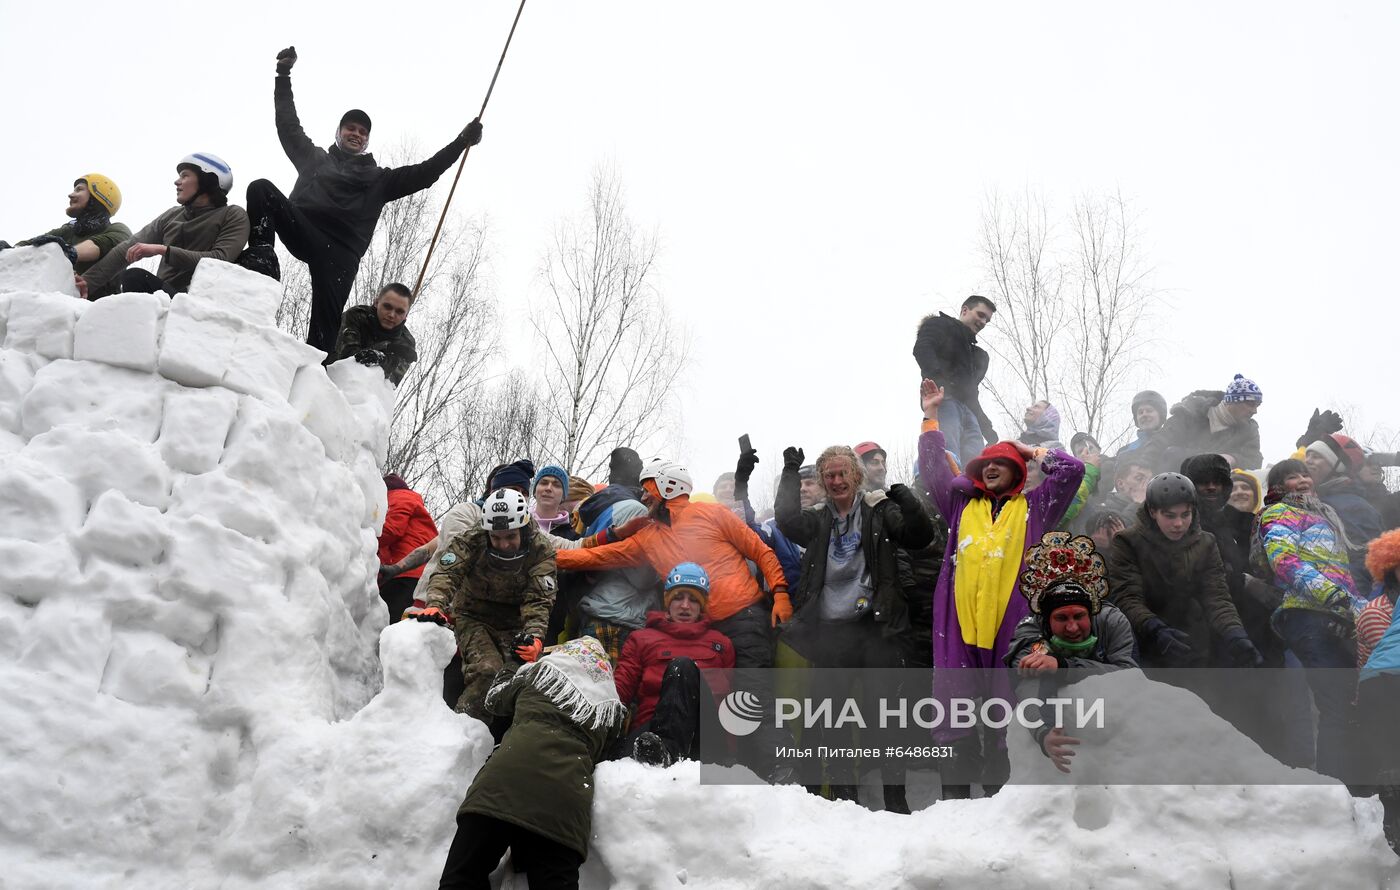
x: 67, y: 641
x: 122, y: 330
x: 195, y: 427
x: 126, y: 465
x: 198, y: 341
x: 250, y: 295
x: 44, y: 269
x: 16, y: 376
x: 43, y: 323
x: 124, y: 531
x: 269, y: 449
x: 325, y: 412
x: 36, y: 504
x: 211, y: 566
x: 263, y: 363
x: 147, y: 669
x: 93, y: 396
x: 31, y: 572
x: 371, y: 396
x: 371, y: 480
x: 14, y: 622
x: 233, y: 504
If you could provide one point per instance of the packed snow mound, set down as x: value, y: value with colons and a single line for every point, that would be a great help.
x: 197, y: 687
x: 190, y: 632
x: 659, y: 828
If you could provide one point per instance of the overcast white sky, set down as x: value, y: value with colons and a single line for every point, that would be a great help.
x: 816, y: 169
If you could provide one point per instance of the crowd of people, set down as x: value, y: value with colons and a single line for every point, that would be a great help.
x: 1182, y: 550
x: 327, y: 222
x: 586, y: 615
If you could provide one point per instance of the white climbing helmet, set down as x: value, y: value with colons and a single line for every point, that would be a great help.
x: 207, y: 162
x: 503, y: 510
x: 650, y: 467
x: 672, y: 480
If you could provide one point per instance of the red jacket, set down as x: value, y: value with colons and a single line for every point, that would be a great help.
x: 648, y: 651
x: 407, y: 526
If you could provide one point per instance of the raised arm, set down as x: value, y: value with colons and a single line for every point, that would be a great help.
x: 300, y: 150
x: 796, y: 524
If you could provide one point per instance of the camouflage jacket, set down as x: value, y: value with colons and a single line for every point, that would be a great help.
x: 469, y: 583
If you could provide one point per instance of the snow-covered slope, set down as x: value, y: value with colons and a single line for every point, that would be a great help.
x: 197, y: 689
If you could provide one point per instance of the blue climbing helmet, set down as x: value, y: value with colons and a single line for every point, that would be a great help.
x: 688, y: 574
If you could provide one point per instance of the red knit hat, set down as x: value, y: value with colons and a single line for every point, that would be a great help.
x: 999, y: 451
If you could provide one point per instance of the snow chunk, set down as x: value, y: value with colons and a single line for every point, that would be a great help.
x: 133, y: 468
x: 124, y: 531
x: 30, y: 571
x: 36, y: 504
x: 264, y: 361
x: 44, y: 268
x: 147, y: 669
x: 69, y: 642
x: 122, y: 330
x: 198, y: 341
x: 43, y: 323
x: 16, y: 376
x: 213, y: 566
x: 325, y: 412
x: 93, y: 396
x: 232, y: 504
x: 371, y: 397
x: 195, y: 426
x: 270, y: 449
x: 250, y: 295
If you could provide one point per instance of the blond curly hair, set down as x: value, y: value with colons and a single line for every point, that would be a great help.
x: 841, y: 451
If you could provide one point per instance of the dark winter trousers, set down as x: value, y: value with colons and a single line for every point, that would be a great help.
x: 397, y: 594
x: 332, y: 266
x: 481, y: 842
x: 857, y: 645
x: 750, y: 630
x: 677, y: 716
x: 1327, y: 648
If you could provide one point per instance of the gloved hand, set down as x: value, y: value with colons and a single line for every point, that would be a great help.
x: 782, y: 606
x: 472, y: 132
x: 286, y: 59
x: 793, y: 458
x: 429, y: 613
x: 1242, y: 651
x: 1320, y: 425
x: 527, y: 647
x: 629, y: 528
x: 874, y: 497
x: 68, y: 250
x: 742, y: 471
x: 903, y: 495
x: 1168, y: 642
x: 371, y: 357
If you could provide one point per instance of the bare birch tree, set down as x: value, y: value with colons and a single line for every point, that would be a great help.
x: 1027, y: 284
x: 611, y: 354
x: 1112, y: 311
x: 1074, y: 305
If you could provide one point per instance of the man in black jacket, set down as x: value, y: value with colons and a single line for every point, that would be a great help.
x: 377, y: 334
x: 329, y: 219
x: 947, y: 352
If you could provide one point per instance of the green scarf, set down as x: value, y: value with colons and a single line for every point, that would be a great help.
x: 1065, y: 647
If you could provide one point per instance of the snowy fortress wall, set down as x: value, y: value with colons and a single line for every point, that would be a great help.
x: 189, y: 506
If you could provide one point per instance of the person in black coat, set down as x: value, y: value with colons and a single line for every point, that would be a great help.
x: 329, y: 219
x: 947, y: 352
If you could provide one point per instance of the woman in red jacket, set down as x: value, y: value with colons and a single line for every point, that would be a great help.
x: 407, y: 526
x: 659, y: 670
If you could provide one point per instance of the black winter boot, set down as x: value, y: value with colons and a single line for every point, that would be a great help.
x: 651, y: 750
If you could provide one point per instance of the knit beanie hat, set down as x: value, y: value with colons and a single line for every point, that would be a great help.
x: 1252, y: 481
x: 1242, y: 389
x: 551, y: 470
x: 516, y: 474
x: 807, y: 471
x: 1322, y: 448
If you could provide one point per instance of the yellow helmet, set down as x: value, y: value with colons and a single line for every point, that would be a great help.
x: 103, y: 190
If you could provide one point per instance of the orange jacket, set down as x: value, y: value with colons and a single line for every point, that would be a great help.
x: 407, y: 526
x: 705, y: 533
